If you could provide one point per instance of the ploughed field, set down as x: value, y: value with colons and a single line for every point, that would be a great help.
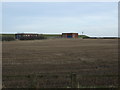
x: 49, y: 63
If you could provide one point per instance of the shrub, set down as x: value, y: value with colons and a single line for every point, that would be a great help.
x: 7, y: 38
x: 83, y: 36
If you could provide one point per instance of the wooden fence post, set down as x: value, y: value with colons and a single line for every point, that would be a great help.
x: 73, y: 80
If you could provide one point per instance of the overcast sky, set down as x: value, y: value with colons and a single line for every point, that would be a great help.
x: 92, y: 18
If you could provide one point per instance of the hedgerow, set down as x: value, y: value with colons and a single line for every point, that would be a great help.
x: 7, y: 38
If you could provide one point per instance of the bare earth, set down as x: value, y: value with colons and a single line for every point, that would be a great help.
x: 85, y: 57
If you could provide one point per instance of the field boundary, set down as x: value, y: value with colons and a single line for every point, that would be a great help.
x: 74, y: 83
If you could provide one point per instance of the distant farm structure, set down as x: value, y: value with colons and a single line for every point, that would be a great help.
x: 37, y: 36
x: 28, y: 35
x: 70, y: 35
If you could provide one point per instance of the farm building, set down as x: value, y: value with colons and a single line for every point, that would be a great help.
x: 70, y: 35
x: 20, y: 35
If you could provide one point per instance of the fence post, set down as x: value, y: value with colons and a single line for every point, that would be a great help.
x: 73, y: 80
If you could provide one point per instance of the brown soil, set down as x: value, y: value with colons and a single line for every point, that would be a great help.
x: 96, y: 57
